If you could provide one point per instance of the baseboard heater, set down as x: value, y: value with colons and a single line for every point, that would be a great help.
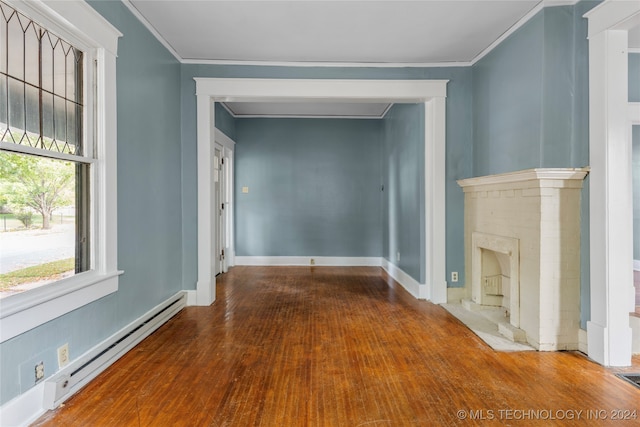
x: 76, y: 375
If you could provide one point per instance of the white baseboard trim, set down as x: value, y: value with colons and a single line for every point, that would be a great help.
x: 192, y: 297
x: 306, y: 261
x: 636, y: 264
x: 30, y: 405
x: 411, y: 285
x: 24, y: 409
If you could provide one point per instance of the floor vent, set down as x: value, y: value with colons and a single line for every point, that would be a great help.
x: 66, y: 382
x: 631, y: 378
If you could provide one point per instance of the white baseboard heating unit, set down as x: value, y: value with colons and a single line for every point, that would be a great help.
x: 77, y: 374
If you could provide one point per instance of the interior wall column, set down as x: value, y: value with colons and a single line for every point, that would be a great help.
x: 611, y: 247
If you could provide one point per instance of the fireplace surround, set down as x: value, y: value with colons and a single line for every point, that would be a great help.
x: 522, y: 251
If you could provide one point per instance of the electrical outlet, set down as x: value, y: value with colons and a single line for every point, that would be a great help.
x: 63, y: 355
x: 397, y: 256
x: 39, y: 371
x: 454, y: 276
x: 312, y: 261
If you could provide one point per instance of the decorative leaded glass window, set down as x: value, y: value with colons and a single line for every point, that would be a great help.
x: 40, y: 86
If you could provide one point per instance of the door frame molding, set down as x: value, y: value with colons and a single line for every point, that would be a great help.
x: 430, y: 92
x: 610, y: 195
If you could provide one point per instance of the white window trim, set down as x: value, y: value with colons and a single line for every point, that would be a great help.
x: 81, y: 25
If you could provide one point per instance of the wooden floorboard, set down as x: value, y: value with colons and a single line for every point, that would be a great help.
x: 325, y: 346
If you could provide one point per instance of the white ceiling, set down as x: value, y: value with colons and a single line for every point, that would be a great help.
x: 325, y: 32
x: 405, y: 32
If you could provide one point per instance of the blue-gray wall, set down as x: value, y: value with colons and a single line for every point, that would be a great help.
x: 149, y: 209
x: 404, y: 190
x: 634, y: 77
x: 314, y: 187
x: 530, y: 106
x: 225, y: 122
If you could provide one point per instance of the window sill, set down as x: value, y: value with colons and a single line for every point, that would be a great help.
x: 23, y: 312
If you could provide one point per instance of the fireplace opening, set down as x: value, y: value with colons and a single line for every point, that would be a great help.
x: 496, y: 279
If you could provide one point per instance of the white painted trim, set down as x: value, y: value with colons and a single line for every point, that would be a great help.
x: 613, y: 15
x: 263, y: 90
x: 609, y: 334
x: 192, y: 297
x: 302, y: 64
x: 415, y: 288
x: 152, y: 29
x: 30, y: 405
x: 28, y: 310
x: 435, y: 200
x: 25, y: 409
x: 74, y: 20
x: 306, y: 261
x: 80, y: 22
x: 636, y: 265
x: 541, y: 174
x: 634, y: 113
x: 521, y: 22
x: 222, y: 139
x: 432, y: 92
x: 309, y: 116
x: 634, y: 50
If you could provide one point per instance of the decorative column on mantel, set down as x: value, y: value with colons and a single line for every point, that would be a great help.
x: 539, y: 210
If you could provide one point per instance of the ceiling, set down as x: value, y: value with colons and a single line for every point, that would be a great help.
x: 347, y: 33
x: 416, y: 32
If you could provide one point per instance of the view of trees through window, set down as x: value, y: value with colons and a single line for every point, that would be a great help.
x: 38, y: 221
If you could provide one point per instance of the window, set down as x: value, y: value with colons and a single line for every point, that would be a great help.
x: 57, y: 161
x: 46, y: 171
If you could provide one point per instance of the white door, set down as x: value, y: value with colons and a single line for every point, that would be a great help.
x: 218, y: 212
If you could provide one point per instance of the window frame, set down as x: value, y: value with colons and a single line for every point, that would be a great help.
x: 79, y: 24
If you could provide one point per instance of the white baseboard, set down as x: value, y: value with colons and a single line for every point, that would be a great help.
x: 634, y: 323
x: 192, y: 297
x: 636, y: 264
x: 306, y: 261
x: 30, y: 405
x: 418, y: 290
x: 24, y: 409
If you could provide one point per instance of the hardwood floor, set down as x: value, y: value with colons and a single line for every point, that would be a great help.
x: 324, y: 346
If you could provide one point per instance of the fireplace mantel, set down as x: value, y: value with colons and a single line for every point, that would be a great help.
x: 546, y: 177
x: 538, y: 212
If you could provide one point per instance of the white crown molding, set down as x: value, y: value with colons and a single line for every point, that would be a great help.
x: 309, y: 64
x: 152, y: 29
